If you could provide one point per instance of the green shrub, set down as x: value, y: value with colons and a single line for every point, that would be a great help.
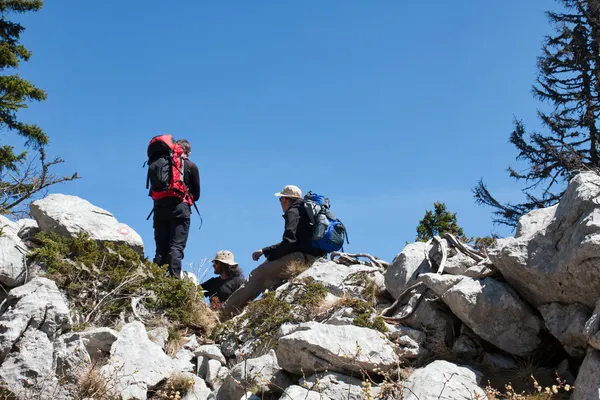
x: 101, y: 280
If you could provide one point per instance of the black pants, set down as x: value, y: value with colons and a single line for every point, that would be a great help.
x: 171, y: 237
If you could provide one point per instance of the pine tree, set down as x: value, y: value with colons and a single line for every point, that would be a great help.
x: 569, y: 80
x: 21, y: 175
x: 438, y: 221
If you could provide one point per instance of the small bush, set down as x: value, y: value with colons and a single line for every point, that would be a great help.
x: 100, y: 282
x: 264, y: 317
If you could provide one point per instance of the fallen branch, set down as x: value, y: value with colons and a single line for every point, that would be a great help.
x: 353, y: 259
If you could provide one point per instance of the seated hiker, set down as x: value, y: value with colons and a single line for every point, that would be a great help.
x: 229, y: 280
x: 296, y: 246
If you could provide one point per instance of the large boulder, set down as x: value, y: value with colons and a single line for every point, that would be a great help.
x: 313, y: 347
x: 405, y: 268
x: 136, y: 363
x: 567, y: 324
x: 587, y: 384
x: 555, y: 254
x: 491, y: 309
x: 13, y: 266
x: 445, y: 381
x: 70, y: 215
x: 35, y: 305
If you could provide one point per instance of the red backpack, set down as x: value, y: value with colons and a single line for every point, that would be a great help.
x: 166, y: 169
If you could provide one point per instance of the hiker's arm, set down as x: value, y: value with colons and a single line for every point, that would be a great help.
x: 195, y: 182
x: 288, y: 244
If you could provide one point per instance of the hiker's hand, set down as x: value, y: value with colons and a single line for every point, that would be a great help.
x: 256, y: 255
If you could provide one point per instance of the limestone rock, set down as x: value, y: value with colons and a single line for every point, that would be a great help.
x: 445, y: 381
x: 70, y: 215
x: 262, y: 373
x: 513, y: 328
x: 316, y: 347
x: 296, y: 392
x: 567, y: 323
x: 555, y: 254
x: 405, y: 268
x: 159, y: 335
x: 137, y: 363
x: 587, y: 384
x: 336, y: 386
x: 35, y: 305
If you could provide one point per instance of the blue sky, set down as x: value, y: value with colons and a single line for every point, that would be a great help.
x: 385, y: 107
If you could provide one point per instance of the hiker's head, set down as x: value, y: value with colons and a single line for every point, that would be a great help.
x: 186, y: 146
x: 225, y: 265
x: 288, y: 196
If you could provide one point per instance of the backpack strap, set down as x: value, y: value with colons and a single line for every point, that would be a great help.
x: 149, y: 215
x: 200, y: 215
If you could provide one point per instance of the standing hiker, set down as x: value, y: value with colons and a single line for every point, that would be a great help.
x: 296, y: 246
x: 174, y: 183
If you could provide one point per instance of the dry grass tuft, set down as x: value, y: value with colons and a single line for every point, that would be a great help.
x: 294, y: 268
x: 175, y: 341
x: 92, y: 384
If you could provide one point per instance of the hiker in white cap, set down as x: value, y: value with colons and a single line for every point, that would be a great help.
x: 296, y: 246
x: 229, y: 280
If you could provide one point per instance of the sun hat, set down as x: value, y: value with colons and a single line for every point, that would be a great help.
x: 225, y: 256
x: 290, y: 191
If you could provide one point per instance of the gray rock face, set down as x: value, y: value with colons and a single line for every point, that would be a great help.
x: 70, y: 357
x: 591, y: 330
x: 7, y: 226
x: 199, y: 390
x: 467, y: 345
x: 318, y: 347
x: 555, y: 255
x: 136, y: 362
x: 296, y: 392
x: 12, y: 255
x: 262, y: 373
x: 28, y: 228
x: 336, y: 386
x: 405, y: 268
x: 445, y: 381
x: 211, y: 351
x: 433, y: 317
x: 340, y: 279
x: 35, y: 305
x: 587, y: 384
x: 97, y: 341
x: 30, y: 366
x: 513, y: 328
x: 159, y: 335
x: 70, y: 215
x: 567, y: 323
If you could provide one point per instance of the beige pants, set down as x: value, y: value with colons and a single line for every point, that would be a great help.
x: 266, y: 275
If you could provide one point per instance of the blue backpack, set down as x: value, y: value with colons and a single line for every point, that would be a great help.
x: 329, y: 232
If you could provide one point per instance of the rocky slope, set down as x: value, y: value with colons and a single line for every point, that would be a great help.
x: 441, y: 321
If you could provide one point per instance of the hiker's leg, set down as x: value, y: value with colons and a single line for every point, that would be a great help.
x: 264, y: 276
x: 161, y: 240
x: 180, y: 228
